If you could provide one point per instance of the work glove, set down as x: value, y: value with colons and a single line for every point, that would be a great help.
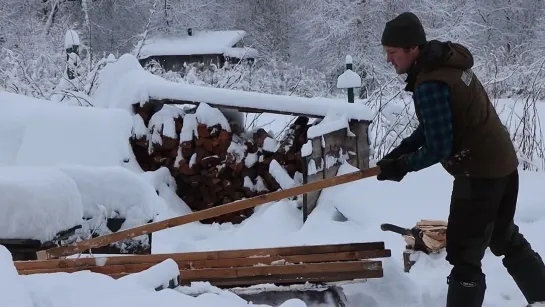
x: 393, y: 169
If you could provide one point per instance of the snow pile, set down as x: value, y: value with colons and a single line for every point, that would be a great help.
x: 333, y: 121
x: 280, y: 175
x: 353, y: 212
x: 123, y: 83
x: 37, y: 203
x: 165, y: 186
x: 240, y: 52
x: 349, y: 79
x: 40, y: 132
x: 306, y: 150
x: 13, y: 292
x: 157, y: 276
x: 120, y: 192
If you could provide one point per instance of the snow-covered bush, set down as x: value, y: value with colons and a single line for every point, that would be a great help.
x: 265, y: 76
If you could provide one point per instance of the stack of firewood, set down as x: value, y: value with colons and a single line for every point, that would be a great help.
x: 214, y: 165
x: 434, y: 235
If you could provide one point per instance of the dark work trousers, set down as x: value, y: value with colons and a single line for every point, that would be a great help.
x: 481, y: 216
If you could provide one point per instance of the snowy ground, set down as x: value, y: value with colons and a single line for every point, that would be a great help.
x: 34, y: 134
x: 365, y: 203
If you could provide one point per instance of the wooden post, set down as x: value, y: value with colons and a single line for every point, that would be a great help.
x: 71, y: 45
x: 350, y: 90
x: 305, y: 181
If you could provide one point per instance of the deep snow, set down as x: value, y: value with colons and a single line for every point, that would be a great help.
x: 55, y: 137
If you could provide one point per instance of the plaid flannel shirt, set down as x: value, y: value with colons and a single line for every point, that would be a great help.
x: 433, y: 100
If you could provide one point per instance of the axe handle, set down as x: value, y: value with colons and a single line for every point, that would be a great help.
x: 395, y: 228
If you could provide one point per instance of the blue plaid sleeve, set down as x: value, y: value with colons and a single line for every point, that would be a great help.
x: 416, y: 138
x: 433, y: 100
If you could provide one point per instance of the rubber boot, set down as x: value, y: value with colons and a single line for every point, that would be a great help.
x: 528, y: 272
x: 465, y: 294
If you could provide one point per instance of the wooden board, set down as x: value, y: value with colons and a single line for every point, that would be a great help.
x: 364, y: 250
x: 242, y: 108
x: 218, y: 263
x: 315, y: 278
x: 238, y: 268
x: 209, y: 213
x: 204, y: 274
x: 282, y: 279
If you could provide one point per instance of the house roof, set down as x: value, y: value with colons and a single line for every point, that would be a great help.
x: 201, y: 42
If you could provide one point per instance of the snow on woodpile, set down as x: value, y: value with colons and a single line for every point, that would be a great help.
x: 330, y: 123
x: 37, y: 202
x: 125, y: 84
x: 212, y: 159
x: 165, y: 185
x: 211, y: 164
x: 40, y: 132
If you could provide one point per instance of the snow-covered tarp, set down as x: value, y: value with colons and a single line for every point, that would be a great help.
x: 59, y: 164
x: 200, y: 42
x: 125, y: 83
x: 37, y: 203
x: 121, y: 192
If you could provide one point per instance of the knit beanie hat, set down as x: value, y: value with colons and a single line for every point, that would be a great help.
x: 404, y: 31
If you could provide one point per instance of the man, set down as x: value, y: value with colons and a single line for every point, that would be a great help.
x: 459, y: 128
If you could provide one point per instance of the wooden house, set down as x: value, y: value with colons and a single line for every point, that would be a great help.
x: 208, y: 47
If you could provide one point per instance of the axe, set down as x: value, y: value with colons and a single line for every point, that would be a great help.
x: 415, y: 232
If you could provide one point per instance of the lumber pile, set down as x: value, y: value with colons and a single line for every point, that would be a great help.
x: 239, y: 268
x: 213, y: 160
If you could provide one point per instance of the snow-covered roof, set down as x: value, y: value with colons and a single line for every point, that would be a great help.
x: 200, y: 42
x: 124, y: 83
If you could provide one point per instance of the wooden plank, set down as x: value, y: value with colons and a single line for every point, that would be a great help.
x: 210, y: 213
x: 371, y: 249
x: 218, y: 263
x: 229, y: 272
x: 241, y: 108
x: 316, y: 278
x: 269, y: 271
x: 282, y: 279
x: 273, y: 270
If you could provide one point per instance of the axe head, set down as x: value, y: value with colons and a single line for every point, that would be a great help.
x: 414, y: 232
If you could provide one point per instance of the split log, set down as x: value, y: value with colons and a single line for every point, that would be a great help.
x: 200, y: 151
x: 434, y: 235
